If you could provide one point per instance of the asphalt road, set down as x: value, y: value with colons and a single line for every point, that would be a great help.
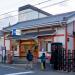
x: 15, y: 70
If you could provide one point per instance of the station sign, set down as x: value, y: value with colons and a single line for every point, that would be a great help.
x: 16, y: 32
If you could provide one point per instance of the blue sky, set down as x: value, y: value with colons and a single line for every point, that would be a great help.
x: 10, y: 5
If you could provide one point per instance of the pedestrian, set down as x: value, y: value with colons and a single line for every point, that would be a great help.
x: 29, y: 58
x: 43, y: 61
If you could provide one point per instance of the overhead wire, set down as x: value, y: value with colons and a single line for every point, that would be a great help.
x: 42, y: 2
x: 54, y: 4
x: 36, y: 4
x: 24, y: 0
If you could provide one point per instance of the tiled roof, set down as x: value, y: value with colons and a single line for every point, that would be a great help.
x: 41, y: 21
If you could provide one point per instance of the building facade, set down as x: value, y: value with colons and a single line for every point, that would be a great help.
x: 38, y: 30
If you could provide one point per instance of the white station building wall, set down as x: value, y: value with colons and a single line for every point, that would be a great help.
x: 7, y: 44
x: 70, y: 33
x: 16, y: 52
x: 1, y: 42
x: 60, y: 31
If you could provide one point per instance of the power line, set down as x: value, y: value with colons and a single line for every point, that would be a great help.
x: 54, y: 4
x: 42, y: 2
x: 41, y: 8
x: 37, y: 4
x: 8, y: 12
x: 24, y: 0
x: 12, y: 10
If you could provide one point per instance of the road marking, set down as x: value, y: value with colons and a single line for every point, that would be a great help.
x: 19, y: 73
x: 7, y: 66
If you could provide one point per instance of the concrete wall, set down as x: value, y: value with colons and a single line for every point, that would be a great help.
x: 60, y: 38
x: 1, y: 44
x: 15, y: 47
x: 16, y: 52
x: 1, y: 41
x: 70, y: 33
x: 7, y: 44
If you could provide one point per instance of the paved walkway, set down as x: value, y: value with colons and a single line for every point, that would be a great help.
x: 36, y: 69
x: 35, y: 66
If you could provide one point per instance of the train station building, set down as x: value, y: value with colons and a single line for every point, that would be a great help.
x: 37, y: 29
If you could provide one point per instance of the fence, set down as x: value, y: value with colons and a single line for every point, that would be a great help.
x: 63, y: 62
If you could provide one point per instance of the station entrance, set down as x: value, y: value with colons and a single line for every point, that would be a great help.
x: 26, y: 45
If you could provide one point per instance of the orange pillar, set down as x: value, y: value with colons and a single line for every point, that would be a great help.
x: 66, y: 42
x: 20, y: 48
x: 39, y: 43
x: 10, y: 51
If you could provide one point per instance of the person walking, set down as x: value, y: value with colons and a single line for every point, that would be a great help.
x: 43, y: 61
x: 29, y: 58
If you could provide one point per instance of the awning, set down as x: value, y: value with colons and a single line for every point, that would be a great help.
x: 33, y: 35
x: 25, y: 36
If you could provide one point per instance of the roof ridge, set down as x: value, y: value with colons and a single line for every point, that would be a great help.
x: 34, y: 8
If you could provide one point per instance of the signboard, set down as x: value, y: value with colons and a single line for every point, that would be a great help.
x: 16, y: 32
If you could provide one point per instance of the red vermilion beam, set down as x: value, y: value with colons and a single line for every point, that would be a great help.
x: 66, y: 42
